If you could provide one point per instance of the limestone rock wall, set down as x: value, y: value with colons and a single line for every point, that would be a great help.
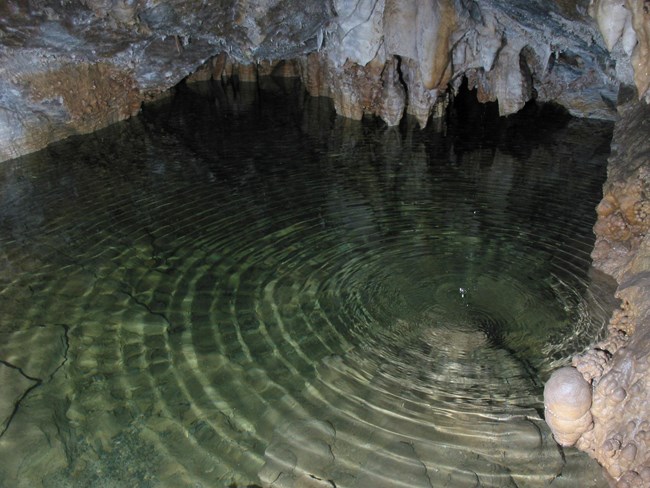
x: 511, y: 52
x: 625, y: 27
x: 73, y: 67
x: 619, y: 367
x: 378, y: 57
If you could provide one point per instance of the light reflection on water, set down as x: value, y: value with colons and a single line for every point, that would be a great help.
x: 239, y: 288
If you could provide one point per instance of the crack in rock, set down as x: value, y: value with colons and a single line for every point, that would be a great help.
x: 148, y: 309
x: 23, y: 371
x: 11, y: 401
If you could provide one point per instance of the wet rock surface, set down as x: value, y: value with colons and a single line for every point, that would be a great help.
x: 25, y: 416
x: 21, y: 372
x: 625, y: 27
x: 501, y: 449
x: 15, y: 385
x: 74, y: 67
x: 619, y: 367
x: 510, y: 52
x: 68, y: 68
x: 567, y: 403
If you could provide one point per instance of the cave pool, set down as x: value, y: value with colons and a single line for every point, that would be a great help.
x: 239, y: 288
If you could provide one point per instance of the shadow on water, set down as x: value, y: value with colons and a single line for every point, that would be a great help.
x: 240, y: 288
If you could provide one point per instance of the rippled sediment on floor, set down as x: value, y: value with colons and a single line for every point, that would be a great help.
x: 239, y: 288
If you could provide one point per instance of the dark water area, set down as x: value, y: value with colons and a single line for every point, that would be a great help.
x: 238, y: 287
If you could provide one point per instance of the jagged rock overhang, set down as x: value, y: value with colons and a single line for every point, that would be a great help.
x: 380, y: 57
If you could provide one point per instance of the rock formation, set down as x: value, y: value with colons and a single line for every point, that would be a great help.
x: 376, y: 57
x: 505, y: 51
x: 619, y: 367
x: 625, y: 27
x: 567, y: 404
x: 73, y: 67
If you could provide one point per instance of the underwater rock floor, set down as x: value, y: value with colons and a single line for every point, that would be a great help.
x: 237, y: 287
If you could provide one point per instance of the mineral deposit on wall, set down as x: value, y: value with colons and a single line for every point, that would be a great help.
x: 619, y: 367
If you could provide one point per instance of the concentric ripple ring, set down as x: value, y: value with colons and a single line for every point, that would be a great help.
x: 256, y: 292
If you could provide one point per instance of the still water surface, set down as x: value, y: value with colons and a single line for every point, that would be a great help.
x: 239, y: 288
